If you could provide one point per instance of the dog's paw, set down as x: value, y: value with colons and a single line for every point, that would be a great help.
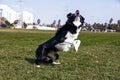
x: 56, y: 63
x: 38, y: 66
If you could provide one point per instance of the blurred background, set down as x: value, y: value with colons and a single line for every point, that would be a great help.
x: 100, y: 15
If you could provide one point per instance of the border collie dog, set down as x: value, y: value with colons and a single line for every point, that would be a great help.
x: 64, y: 39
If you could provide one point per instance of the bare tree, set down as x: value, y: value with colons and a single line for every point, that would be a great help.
x: 53, y: 24
x: 110, y: 21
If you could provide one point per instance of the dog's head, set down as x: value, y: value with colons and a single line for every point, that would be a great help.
x: 74, y: 19
x: 73, y: 23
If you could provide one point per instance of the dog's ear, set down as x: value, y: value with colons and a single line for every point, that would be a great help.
x: 68, y: 15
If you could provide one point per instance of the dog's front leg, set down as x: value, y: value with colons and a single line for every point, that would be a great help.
x: 76, y: 44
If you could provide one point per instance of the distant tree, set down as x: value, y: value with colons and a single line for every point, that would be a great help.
x: 34, y: 25
x: 53, y: 24
x: 110, y: 21
x: 24, y: 25
x: 59, y: 23
x: 118, y: 26
x: 109, y: 25
x: 4, y: 22
x: 16, y: 21
x: 118, y: 23
x: 8, y: 23
x: 3, y: 19
x: 38, y: 21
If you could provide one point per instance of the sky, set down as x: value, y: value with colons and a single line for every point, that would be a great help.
x: 99, y: 11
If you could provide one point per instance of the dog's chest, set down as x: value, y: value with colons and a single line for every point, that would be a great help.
x: 70, y: 36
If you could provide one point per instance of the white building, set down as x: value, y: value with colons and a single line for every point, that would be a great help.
x: 11, y: 15
x: 27, y: 17
x: 8, y: 13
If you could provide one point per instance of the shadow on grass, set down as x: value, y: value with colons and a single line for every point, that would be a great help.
x: 30, y: 60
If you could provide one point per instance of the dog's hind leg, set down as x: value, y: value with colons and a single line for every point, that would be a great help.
x: 41, y: 54
x: 54, y: 56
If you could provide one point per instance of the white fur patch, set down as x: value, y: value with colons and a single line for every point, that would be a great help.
x: 76, y: 44
x: 56, y: 63
x: 77, y: 22
x: 38, y: 66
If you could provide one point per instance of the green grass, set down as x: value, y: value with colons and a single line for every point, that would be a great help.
x: 98, y: 57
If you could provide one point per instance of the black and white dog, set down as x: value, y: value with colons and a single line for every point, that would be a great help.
x: 64, y: 39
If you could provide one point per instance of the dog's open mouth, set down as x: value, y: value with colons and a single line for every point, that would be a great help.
x: 77, y: 13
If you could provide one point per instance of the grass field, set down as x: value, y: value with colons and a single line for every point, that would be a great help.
x: 98, y: 57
